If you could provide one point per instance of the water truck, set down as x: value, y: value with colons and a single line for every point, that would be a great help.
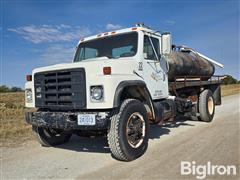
x: 119, y: 83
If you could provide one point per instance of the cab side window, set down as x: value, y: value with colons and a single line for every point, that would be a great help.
x: 148, y: 49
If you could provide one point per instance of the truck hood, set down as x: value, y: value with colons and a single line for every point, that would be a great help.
x: 95, y: 66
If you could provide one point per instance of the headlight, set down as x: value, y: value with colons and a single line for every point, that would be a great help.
x: 96, y: 93
x: 28, y: 94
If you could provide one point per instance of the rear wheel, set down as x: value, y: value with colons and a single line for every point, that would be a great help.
x: 128, y: 135
x: 50, y: 137
x: 206, y: 106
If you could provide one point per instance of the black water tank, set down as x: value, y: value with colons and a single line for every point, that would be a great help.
x: 188, y: 64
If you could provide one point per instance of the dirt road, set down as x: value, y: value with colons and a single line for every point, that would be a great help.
x: 84, y: 158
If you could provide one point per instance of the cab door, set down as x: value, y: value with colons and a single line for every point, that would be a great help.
x: 154, y: 74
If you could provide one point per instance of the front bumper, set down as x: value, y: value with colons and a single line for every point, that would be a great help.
x: 66, y: 120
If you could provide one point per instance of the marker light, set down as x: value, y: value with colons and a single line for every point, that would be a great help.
x: 107, y: 70
x: 29, y: 77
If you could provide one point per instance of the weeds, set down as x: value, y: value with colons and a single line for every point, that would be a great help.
x: 13, y: 129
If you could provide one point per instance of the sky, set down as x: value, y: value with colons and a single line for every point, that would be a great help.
x: 41, y: 33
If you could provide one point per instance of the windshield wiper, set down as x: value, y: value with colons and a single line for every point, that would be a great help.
x: 111, y: 57
x: 108, y: 56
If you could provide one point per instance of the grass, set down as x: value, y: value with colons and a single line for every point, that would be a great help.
x: 14, y: 130
x: 230, y: 89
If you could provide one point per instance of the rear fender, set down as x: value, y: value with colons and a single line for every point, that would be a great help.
x: 216, y: 90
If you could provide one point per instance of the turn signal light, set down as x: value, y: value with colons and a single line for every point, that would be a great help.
x: 107, y: 70
x: 29, y: 77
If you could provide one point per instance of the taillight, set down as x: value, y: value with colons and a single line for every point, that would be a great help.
x: 29, y: 77
x: 107, y: 70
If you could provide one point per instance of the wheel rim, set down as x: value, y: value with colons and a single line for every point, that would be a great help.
x: 210, y: 105
x: 135, y: 130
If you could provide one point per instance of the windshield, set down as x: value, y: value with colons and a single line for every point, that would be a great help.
x: 116, y: 46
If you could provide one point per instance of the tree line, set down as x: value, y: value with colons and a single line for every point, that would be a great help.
x: 230, y: 80
x: 4, y: 88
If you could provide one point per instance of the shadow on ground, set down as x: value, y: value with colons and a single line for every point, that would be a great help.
x: 156, y: 131
x: 99, y: 144
x: 87, y: 144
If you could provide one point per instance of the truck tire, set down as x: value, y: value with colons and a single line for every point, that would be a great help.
x: 206, y: 106
x: 129, y: 131
x: 50, y: 137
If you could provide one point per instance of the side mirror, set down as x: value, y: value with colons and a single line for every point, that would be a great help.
x: 166, y: 43
x: 164, y: 64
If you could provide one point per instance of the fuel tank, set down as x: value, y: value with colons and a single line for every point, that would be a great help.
x: 188, y: 64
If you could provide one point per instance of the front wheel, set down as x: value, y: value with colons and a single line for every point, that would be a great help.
x: 50, y: 137
x: 129, y: 131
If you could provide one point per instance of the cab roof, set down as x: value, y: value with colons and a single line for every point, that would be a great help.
x: 120, y: 31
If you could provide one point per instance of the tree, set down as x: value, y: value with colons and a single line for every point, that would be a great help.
x: 16, y: 89
x: 229, y: 80
x: 4, y: 88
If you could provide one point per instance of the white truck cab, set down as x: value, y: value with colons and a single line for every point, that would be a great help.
x: 127, y: 53
x: 117, y: 83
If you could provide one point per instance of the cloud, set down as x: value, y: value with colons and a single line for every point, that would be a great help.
x: 56, y: 33
x: 64, y: 26
x: 58, y: 53
x: 113, y: 26
x: 57, y: 38
x: 50, y: 33
x: 170, y: 22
